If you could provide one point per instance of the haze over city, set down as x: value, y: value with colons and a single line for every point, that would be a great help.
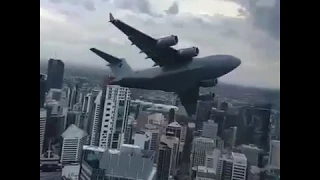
x: 69, y: 28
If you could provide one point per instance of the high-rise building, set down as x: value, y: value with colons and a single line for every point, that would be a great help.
x: 164, y: 162
x: 171, y: 115
x: 251, y: 152
x: 230, y: 136
x: 200, y: 146
x: 55, y: 74
x: 43, y: 89
x: 111, y: 117
x: 274, y: 157
x: 73, y: 117
x: 43, y: 117
x: 203, y: 112
x: 72, y: 143
x: 91, y: 113
x: 232, y: 167
x: 142, y: 139
x: 210, y: 129
x: 173, y: 143
x: 55, y: 123
x: 128, y: 163
x: 129, y: 131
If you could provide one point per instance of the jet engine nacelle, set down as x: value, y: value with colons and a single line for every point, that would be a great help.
x: 167, y: 41
x: 209, y: 83
x: 189, y: 52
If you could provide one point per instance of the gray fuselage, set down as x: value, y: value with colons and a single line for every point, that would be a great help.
x: 179, y: 78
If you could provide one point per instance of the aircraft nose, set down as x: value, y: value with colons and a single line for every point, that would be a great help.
x: 235, y: 62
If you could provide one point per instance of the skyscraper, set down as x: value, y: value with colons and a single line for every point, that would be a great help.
x: 200, y: 146
x: 73, y: 141
x: 210, y: 129
x: 173, y: 143
x: 164, y: 162
x: 43, y: 117
x: 55, y: 74
x: 274, y: 157
x: 111, y: 117
x: 129, y: 162
x: 203, y: 112
x: 232, y: 166
x: 43, y: 79
x: 171, y: 115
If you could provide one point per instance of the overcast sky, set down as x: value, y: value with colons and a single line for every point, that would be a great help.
x: 248, y: 29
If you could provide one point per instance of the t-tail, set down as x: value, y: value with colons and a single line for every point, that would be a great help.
x: 119, y: 67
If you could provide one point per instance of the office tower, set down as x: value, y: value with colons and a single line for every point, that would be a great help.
x: 55, y: 124
x: 43, y: 89
x: 200, y: 146
x: 205, y: 173
x: 175, y: 128
x: 142, y: 120
x: 157, y: 119
x: 73, y: 117
x: 173, y: 143
x: 210, y: 129
x: 111, y: 117
x: 55, y: 74
x: 220, y: 143
x: 171, y: 115
x: 251, y: 152
x: 129, y: 131
x: 72, y: 143
x: 164, y: 162
x: 54, y: 94
x: 232, y: 167
x: 212, y: 159
x: 274, y: 157
x: 155, y: 137
x: 254, y: 125
x: 230, y: 136
x: 43, y: 117
x: 203, y: 112
x: 130, y: 162
x: 142, y: 139
x: 91, y: 113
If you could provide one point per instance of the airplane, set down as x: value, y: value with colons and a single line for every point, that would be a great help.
x: 178, y: 71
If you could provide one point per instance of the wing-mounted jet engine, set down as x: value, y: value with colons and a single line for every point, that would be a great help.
x: 167, y: 41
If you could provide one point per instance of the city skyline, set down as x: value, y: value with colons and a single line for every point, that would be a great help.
x: 225, y: 33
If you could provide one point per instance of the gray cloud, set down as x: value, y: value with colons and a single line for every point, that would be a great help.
x: 265, y: 14
x: 141, y: 6
x: 173, y: 9
x: 87, y: 4
x: 243, y: 38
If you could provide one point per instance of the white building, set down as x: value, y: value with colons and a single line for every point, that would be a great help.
x: 232, y: 167
x: 43, y: 117
x: 200, y: 146
x: 114, y: 117
x: 210, y: 129
x: 142, y: 139
x: 274, y: 157
x: 73, y: 140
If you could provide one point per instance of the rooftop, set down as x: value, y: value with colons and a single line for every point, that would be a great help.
x: 93, y: 148
x: 174, y: 124
x: 73, y: 132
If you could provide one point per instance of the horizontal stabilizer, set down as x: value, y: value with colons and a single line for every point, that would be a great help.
x: 109, y: 58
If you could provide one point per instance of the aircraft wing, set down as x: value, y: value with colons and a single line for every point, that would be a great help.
x: 165, y: 56
x: 189, y: 99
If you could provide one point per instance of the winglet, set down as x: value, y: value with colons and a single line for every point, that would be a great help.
x: 111, y: 18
